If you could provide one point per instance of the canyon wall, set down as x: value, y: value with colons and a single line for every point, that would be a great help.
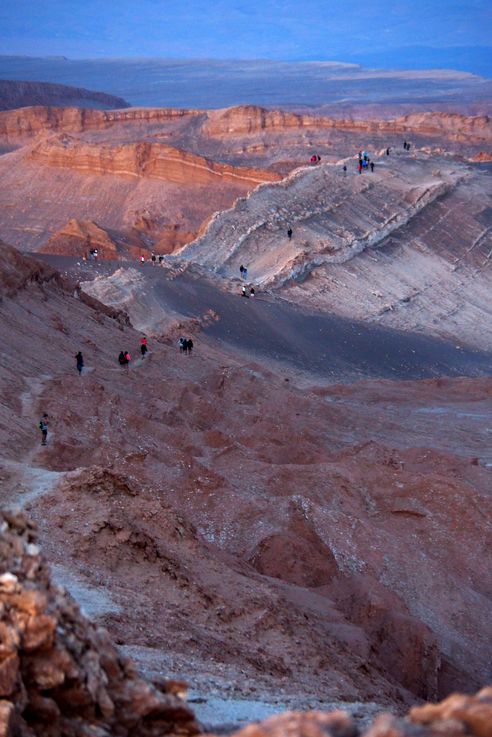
x: 26, y: 123
x: 244, y: 120
x: 16, y: 125
x: 154, y: 160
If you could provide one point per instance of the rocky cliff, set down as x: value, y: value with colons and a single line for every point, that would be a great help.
x: 249, y: 119
x: 25, y: 123
x: 25, y: 94
x: 243, y: 120
x: 152, y: 160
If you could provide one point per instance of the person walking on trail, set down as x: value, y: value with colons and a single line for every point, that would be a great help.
x: 189, y: 346
x: 128, y: 358
x: 43, y: 426
x: 387, y: 151
x: 181, y: 343
x: 143, y: 346
x: 241, y: 270
x: 372, y: 165
x: 405, y: 145
x: 79, y: 362
x: 244, y: 292
x: 122, y: 359
x: 289, y: 233
x: 252, y: 292
x: 245, y: 272
x: 153, y: 259
x: 359, y: 168
x: 344, y: 169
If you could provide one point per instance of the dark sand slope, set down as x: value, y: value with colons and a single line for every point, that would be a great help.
x: 272, y: 329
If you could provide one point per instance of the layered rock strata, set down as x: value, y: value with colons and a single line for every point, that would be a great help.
x: 152, y: 160
x: 238, y: 121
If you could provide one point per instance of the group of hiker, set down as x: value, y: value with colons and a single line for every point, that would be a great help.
x: 153, y: 259
x: 364, y: 162
x: 125, y: 358
x: 185, y: 345
x: 248, y: 291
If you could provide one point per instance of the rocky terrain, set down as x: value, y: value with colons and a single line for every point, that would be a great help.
x: 156, y: 177
x: 61, y: 675
x: 15, y: 95
x: 297, y: 514
x: 169, y: 502
x: 408, y: 246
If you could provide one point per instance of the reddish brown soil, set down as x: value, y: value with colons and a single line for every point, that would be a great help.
x: 322, y: 539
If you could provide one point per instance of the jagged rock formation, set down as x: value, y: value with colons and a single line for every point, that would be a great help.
x: 27, y: 94
x: 59, y: 674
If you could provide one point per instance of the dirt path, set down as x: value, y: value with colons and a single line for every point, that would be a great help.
x: 28, y: 482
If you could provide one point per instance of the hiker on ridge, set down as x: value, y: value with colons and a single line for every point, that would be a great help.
x: 43, y: 426
x: 289, y: 233
x: 143, y: 346
x: 79, y: 362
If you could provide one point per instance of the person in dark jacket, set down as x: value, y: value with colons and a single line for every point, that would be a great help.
x: 43, y: 426
x: 79, y: 362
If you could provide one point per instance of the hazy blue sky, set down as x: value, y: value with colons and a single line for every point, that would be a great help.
x: 271, y: 29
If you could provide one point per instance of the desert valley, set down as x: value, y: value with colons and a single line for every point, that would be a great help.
x: 296, y: 514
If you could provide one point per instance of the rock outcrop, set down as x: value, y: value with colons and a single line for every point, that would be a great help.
x: 78, y: 237
x: 15, y: 94
x: 456, y: 716
x: 17, y: 271
x: 59, y: 674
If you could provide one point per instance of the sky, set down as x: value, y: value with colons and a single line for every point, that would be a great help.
x: 241, y: 29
